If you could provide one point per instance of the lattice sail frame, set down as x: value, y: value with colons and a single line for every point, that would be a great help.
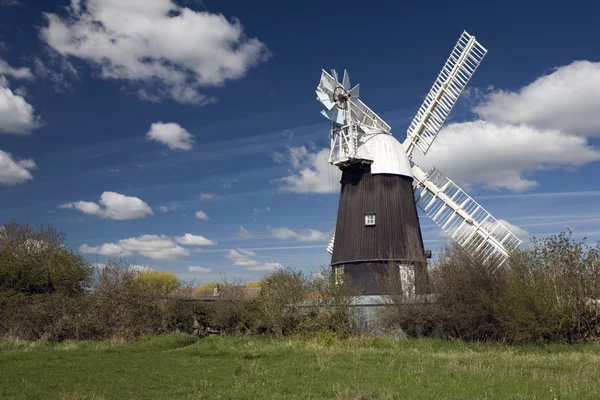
x: 475, y: 229
x: 447, y: 88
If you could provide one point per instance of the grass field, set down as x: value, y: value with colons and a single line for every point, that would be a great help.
x: 183, y: 367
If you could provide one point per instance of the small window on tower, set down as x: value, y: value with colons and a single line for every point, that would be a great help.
x: 370, y: 219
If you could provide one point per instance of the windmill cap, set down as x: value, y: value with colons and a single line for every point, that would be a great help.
x: 388, y: 154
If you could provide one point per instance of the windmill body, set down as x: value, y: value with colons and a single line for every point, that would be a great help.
x: 377, y: 229
x: 377, y: 223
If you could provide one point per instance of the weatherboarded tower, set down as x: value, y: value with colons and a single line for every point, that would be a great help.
x: 377, y: 230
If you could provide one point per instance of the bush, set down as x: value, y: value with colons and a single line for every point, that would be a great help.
x: 282, y: 301
x: 547, y: 293
x: 289, y: 304
x: 117, y: 306
x: 462, y: 309
x: 552, y: 292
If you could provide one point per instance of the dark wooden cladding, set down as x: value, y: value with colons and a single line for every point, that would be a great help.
x: 370, y: 277
x: 396, y: 235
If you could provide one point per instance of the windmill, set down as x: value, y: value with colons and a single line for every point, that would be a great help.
x: 377, y: 222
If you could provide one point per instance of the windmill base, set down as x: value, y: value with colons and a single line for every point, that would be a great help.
x: 384, y: 277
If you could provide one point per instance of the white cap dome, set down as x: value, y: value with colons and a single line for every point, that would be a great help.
x: 389, y: 156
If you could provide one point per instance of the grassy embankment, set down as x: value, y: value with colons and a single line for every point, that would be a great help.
x: 183, y: 367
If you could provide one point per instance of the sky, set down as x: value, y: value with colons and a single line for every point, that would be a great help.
x: 185, y: 135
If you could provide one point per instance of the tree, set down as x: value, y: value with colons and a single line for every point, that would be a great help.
x: 157, y: 282
x: 37, y: 261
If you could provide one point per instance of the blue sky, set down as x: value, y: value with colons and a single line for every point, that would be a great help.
x: 120, y: 121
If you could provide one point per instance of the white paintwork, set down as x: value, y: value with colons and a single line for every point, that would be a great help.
x: 388, y: 155
x: 447, y: 88
x: 461, y: 217
x: 349, y: 123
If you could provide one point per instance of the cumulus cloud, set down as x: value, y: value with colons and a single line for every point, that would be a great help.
x: 106, y: 249
x: 242, y: 258
x: 201, y: 215
x: 14, y: 171
x: 196, y: 268
x: 206, y: 196
x: 304, y: 235
x: 172, y: 135
x: 17, y: 116
x: 130, y: 267
x: 244, y: 233
x: 541, y: 126
x: 194, y: 240
x: 310, y: 172
x: 161, y: 48
x: 566, y: 99
x: 113, y: 206
x: 156, y: 247
x: 503, y: 155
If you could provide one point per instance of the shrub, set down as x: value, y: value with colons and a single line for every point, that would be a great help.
x: 552, y: 292
x: 463, y: 287
x: 282, y: 301
x: 549, y: 292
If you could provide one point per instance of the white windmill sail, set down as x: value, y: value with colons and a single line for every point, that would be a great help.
x: 450, y: 83
x: 461, y: 217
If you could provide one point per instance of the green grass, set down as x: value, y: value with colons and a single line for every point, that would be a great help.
x: 183, y: 367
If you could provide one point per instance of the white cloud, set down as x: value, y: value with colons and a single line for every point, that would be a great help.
x: 194, y: 240
x: 195, y: 268
x: 244, y: 233
x: 107, y: 249
x: 13, y: 171
x: 502, y: 155
x: 566, y: 99
x: 206, y: 196
x: 18, y: 73
x: 114, y: 206
x: 10, y: 3
x: 130, y: 267
x: 16, y: 115
x: 156, y: 247
x: 242, y: 258
x: 161, y: 48
x: 171, y: 207
x: 172, y: 135
x: 311, y: 172
x: 304, y: 235
x: 201, y: 215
